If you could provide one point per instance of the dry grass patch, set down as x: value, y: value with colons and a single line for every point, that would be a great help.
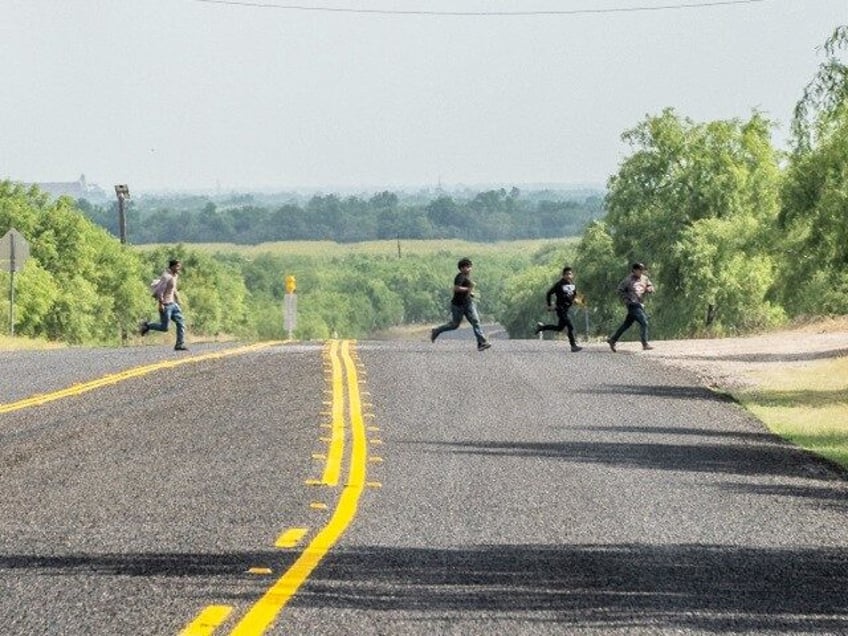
x: 10, y: 343
x: 330, y: 249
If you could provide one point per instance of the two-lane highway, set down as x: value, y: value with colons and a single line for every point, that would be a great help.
x: 407, y: 488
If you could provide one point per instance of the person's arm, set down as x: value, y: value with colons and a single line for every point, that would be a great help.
x: 160, y: 297
x: 550, y: 293
x: 622, y: 289
x: 649, y: 286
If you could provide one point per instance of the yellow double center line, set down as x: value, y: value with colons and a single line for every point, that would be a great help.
x: 263, y: 613
x: 260, y: 616
x: 266, y: 609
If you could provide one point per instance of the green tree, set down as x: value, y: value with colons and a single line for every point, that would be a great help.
x: 79, y: 285
x: 824, y: 99
x: 721, y: 276
x: 444, y: 213
x: 598, y: 271
x: 686, y: 184
x: 814, y: 205
x: 525, y: 291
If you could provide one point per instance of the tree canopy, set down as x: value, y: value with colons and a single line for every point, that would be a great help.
x: 813, y: 219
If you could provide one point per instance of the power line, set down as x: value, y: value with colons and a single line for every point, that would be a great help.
x: 423, y: 12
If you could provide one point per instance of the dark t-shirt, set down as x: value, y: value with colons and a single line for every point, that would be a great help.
x: 460, y: 298
x: 564, y: 292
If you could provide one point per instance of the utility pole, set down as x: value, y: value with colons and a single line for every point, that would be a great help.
x: 123, y: 193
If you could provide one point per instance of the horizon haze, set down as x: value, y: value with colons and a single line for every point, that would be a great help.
x: 216, y: 96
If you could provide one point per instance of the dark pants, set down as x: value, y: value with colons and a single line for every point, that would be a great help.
x: 635, y: 313
x: 564, y: 323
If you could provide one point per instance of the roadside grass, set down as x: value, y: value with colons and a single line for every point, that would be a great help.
x: 13, y: 343
x: 806, y: 405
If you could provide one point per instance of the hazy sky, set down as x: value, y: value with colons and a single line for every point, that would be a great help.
x: 191, y: 94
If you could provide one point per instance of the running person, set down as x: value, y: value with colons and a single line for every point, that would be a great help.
x: 565, y: 291
x: 632, y: 291
x: 168, y: 304
x: 463, y: 306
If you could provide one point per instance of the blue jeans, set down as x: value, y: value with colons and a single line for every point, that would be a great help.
x: 467, y: 311
x: 635, y: 313
x: 170, y: 312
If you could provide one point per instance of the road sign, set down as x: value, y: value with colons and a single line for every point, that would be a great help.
x: 291, y: 284
x: 14, y: 250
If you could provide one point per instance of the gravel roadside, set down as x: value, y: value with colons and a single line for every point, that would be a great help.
x: 727, y: 364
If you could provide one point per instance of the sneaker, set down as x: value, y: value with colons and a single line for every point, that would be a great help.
x: 180, y: 347
x: 483, y: 346
x: 646, y: 347
x: 143, y: 329
x: 575, y: 348
x: 611, y: 344
x: 539, y: 326
x: 433, y: 335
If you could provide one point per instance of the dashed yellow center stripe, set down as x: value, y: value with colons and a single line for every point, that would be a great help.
x: 260, y: 616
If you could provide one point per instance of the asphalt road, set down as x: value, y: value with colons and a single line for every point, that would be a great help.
x: 520, y: 490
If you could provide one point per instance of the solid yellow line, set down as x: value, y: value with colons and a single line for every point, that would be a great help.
x: 359, y: 451
x: 333, y: 466
x: 207, y: 621
x: 267, y: 608
x: 115, y: 378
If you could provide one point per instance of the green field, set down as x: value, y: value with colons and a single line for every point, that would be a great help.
x: 331, y: 249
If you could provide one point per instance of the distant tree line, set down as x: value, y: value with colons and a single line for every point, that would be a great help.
x: 494, y: 215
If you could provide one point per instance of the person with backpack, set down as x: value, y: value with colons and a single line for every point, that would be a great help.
x: 565, y: 291
x: 165, y: 292
x: 463, y: 306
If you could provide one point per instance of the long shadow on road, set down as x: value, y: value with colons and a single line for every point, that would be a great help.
x: 704, y: 587
x: 710, y: 588
x: 731, y: 459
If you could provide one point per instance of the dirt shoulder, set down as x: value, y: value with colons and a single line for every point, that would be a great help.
x: 729, y: 364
